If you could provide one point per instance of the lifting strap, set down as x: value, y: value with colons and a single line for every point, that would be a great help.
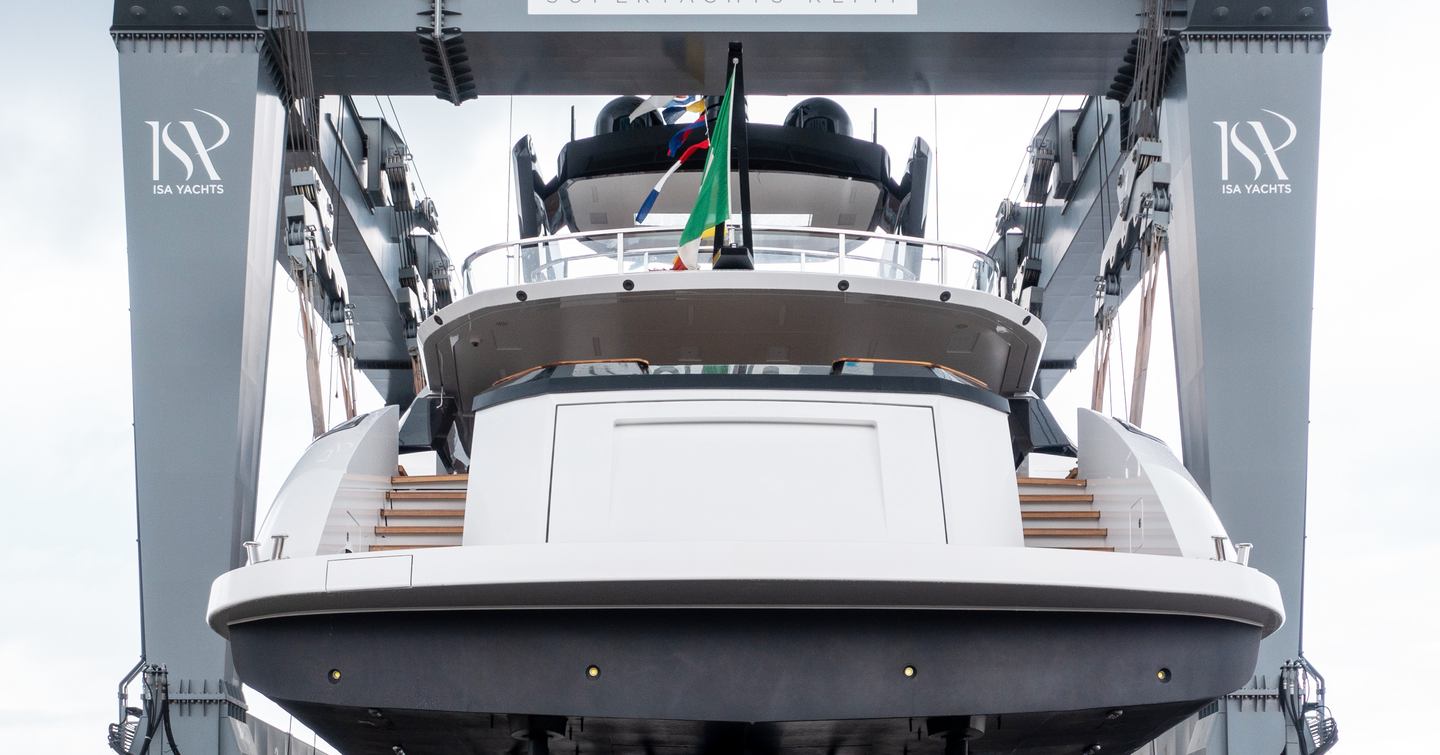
x: 312, y: 358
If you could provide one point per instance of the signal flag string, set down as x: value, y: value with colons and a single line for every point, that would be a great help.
x: 676, y: 142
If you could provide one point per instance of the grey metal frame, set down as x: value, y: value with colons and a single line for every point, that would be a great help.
x: 203, y: 133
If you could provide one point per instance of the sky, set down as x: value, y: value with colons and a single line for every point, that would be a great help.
x: 69, y: 595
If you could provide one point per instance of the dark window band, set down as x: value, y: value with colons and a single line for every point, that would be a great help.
x: 932, y: 386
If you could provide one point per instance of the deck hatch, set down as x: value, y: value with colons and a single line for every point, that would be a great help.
x: 739, y: 470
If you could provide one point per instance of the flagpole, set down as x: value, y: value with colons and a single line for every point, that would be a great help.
x: 742, y: 144
x: 720, y: 230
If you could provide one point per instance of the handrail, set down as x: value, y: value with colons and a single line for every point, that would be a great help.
x: 838, y: 366
x: 836, y: 248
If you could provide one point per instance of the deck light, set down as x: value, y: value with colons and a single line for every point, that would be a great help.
x: 909, y: 672
x: 1163, y: 675
x: 334, y: 676
x: 593, y: 671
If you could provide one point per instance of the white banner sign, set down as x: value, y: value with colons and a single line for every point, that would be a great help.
x: 725, y: 7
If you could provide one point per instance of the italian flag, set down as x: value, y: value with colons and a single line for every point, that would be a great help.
x: 712, y: 205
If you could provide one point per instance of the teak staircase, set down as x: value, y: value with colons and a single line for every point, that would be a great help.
x: 428, y: 511
x: 1059, y: 513
x: 422, y: 511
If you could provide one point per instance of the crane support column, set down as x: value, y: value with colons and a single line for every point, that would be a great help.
x: 202, y: 129
x: 1241, y: 128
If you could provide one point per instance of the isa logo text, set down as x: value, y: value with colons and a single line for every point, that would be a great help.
x: 1250, y: 162
x: 180, y: 155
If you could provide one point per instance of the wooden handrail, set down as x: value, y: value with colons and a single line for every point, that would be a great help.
x: 1057, y: 498
x: 386, y: 529
x: 839, y: 365
x: 644, y: 367
x: 434, y: 494
x: 427, y: 479
x: 1052, y: 482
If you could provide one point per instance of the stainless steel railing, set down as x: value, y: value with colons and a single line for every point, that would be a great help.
x: 794, y: 249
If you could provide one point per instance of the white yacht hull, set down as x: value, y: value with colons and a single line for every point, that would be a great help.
x: 807, y: 645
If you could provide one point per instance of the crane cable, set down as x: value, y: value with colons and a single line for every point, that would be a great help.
x: 305, y: 294
x: 1149, y: 288
x: 417, y: 367
x: 1019, y: 171
x: 1105, y: 320
x: 1148, y: 93
x: 1154, y: 244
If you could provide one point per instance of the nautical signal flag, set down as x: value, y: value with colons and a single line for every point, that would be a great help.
x: 684, y: 134
x: 666, y: 104
x: 712, y: 204
x: 649, y: 203
x: 674, y: 114
x: 676, y: 142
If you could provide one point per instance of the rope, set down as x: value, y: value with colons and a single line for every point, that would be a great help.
x: 1105, y: 324
x: 292, y: 48
x: 1150, y: 284
x: 339, y: 177
x: 1110, y: 372
x: 1148, y: 89
x: 1100, y: 377
x: 347, y: 383
x: 1146, y: 95
x: 312, y: 358
x: 330, y: 381
x: 1124, y: 389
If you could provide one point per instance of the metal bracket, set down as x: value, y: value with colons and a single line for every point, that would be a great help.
x: 310, y: 249
x: 444, y: 49
x: 227, y: 696
x: 1143, y: 195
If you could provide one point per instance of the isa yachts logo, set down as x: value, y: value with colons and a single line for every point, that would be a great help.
x: 187, y: 145
x: 1256, y: 144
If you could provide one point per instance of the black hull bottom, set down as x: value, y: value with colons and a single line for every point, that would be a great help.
x: 741, y: 680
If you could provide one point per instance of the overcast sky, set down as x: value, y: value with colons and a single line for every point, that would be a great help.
x: 68, y: 592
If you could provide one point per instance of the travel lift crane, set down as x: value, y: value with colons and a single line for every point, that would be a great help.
x: 1198, y: 142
